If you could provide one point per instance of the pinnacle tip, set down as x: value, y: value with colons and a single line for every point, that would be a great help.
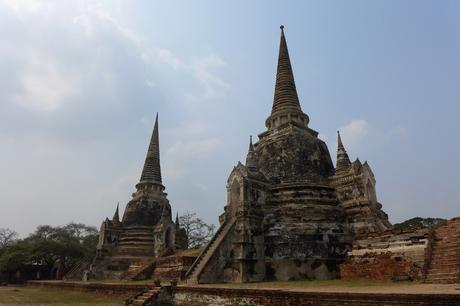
x: 281, y: 27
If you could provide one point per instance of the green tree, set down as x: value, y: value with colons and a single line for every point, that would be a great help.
x: 60, y: 246
x: 419, y: 222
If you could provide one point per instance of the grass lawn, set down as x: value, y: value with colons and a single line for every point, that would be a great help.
x: 18, y: 295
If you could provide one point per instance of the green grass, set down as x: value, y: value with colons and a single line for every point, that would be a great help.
x: 18, y: 295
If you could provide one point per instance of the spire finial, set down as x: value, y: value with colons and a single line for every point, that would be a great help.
x: 339, y: 139
x: 151, y: 172
x: 251, y: 157
x: 116, y: 216
x: 343, y: 161
x: 285, y: 101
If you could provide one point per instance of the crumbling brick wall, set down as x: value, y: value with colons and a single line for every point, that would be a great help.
x: 385, y: 266
x: 391, y: 256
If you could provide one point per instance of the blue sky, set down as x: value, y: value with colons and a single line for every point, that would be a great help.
x: 81, y: 82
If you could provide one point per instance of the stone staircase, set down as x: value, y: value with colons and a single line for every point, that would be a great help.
x: 197, y: 267
x: 145, y: 298
x: 136, y: 241
x: 139, y: 269
x: 77, y: 271
x: 445, y: 258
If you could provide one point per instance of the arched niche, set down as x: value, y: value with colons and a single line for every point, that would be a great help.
x: 168, y: 240
x: 370, y: 190
x: 235, y: 195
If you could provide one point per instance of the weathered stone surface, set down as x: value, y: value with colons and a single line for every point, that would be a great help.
x: 355, y: 185
x: 146, y: 230
x: 287, y: 221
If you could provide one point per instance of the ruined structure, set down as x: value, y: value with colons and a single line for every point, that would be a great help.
x: 355, y: 185
x: 392, y: 255
x: 146, y: 230
x: 290, y: 214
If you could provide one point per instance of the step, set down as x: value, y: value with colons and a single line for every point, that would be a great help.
x: 451, y: 259
x: 446, y: 266
x: 132, y: 244
x: 443, y: 276
x: 134, y: 237
x: 442, y: 281
x: 139, y: 301
x: 445, y: 262
x: 135, y: 244
x: 202, y: 260
x: 447, y: 243
x: 444, y: 273
x: 443, y: 254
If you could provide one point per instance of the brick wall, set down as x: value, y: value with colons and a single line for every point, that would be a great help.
x: 380, y: 267
x: 201, y: 296
x: 387, y: 256
x: 98, y: 288
x: 204, y: 296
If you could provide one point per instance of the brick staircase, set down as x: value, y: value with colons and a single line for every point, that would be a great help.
x: 136, y: 270
x: 445, y: 258
x: 197, y: 267
x: 145, y: 298
x: 136, y: 241
x: 77, y: 271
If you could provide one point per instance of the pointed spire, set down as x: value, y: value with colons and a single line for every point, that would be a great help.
x: 343, y: 161
x: 166, y: 213
x: 286, y: 105
x: 251, y: 159
x: 285, y: 90
x: 116, y: 216
x: 177, y: 220
x: 251, y: 147
x: 151, y: 172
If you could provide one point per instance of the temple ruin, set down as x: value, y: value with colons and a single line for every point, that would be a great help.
x: 290, y: 213
x: 146, y: 230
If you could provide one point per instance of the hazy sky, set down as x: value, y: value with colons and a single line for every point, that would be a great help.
x: 81, y: 82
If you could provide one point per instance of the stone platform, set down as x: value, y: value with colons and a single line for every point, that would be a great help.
x: 267, y: 294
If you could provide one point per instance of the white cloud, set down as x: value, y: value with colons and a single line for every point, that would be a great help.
x: 212, y: 84
x: 45, y: 88
x: 86, y: 23
x: 181, y: 155
x: 354, y: 132
x: 24, y: 6
x: 202, y: 70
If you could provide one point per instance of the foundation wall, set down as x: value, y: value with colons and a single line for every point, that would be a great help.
x: 205, y: 296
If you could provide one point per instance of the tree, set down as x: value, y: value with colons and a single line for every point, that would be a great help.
x: 419, y: 222
x: 7, y: 237
x: 59, y: 247
x: 199, y: 233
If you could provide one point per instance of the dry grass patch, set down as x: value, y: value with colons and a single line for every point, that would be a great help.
x: 18, y: 295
